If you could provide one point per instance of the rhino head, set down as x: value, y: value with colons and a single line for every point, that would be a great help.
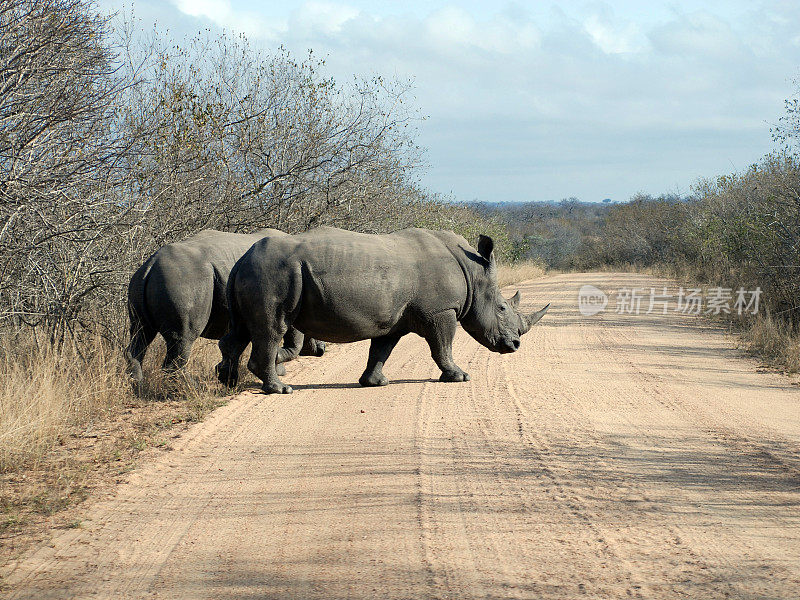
x: 494, y: 321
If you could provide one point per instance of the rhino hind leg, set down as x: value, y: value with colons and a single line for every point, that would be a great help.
x: 379, y: 350
x: 440, y: 334
x: 263, y: 362
x: 231, y: 346
x: 179, y: 346
x: 141, y: 338
x: 292, y: 345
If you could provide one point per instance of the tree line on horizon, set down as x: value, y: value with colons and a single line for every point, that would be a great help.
x: 739, y: 230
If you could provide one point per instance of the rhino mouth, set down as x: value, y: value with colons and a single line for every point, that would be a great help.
x: 507, y: 346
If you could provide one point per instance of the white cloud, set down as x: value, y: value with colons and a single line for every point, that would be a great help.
x: 614, y: 38
x: 505, y: 36
x: 451, y: 26
x: 219, y: 11
x: 324, y: 18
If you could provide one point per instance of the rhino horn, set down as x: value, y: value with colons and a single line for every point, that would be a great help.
x: 532, y: 318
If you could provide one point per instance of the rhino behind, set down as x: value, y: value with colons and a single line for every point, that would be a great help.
x: 341, y: 286
x: 179, y: 292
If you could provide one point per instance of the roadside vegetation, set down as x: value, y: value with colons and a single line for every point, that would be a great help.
x: 518, y: 271
x: 733, y: 231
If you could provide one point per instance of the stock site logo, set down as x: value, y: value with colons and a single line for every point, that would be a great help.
x: 591, y: 300
x: 689, y: 301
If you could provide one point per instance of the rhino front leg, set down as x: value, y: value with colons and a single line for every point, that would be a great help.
x: 292, y: 343
x: 440, y: 334
x: 262, y: 362
x: 379, y: 350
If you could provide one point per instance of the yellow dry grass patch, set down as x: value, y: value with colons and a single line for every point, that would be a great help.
x: 520, y: 271
x: 44, y: 391
x: 773, y: 341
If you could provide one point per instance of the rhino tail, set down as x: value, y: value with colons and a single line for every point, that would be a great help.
x: 137, y: 303
x: 237, y: 329
x: 235, y: 341
x: 142, y: 328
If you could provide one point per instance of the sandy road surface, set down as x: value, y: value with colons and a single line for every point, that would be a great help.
x: 611, y: 457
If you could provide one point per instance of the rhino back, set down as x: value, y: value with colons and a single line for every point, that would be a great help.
x: 217, y: 248
x: 358, y: 286
x: 185, y: 286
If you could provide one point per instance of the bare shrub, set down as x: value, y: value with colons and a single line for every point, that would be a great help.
x: 59, y: 158
x: 745, y: 231
x: 561, y: 235
x: 644, y: 231
x: 229, y: 137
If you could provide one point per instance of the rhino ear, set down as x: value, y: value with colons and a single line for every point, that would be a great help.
x: 514, y: 300
x: 485, y: 247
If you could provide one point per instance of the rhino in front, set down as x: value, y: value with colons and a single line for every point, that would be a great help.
x: 340, y: 286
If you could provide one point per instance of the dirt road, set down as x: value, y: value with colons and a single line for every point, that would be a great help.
x: 613, y: 456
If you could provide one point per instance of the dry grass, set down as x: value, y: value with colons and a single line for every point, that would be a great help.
x: 69, y: 423
x: 517, y: 272
x: 43, y: 392
x: 773, y: 341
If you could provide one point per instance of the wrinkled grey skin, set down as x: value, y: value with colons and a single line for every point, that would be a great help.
x: 180, y: 293
x: 341, y: 286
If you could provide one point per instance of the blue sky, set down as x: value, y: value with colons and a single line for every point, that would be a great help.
x: 545, y: 100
